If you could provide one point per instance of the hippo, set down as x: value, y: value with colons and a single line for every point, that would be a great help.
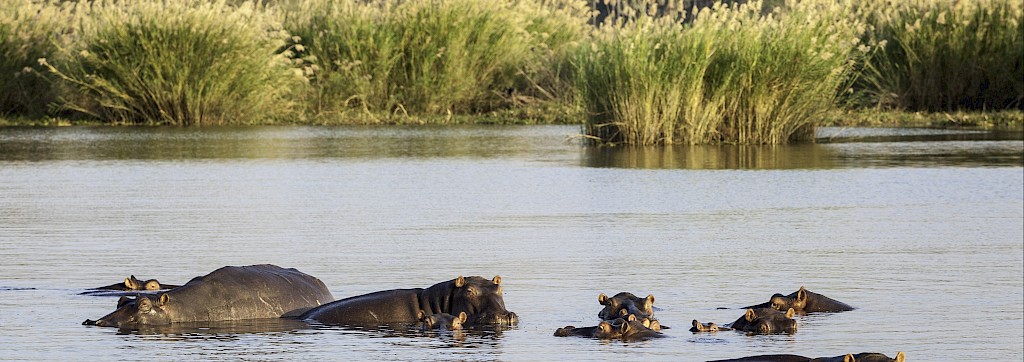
x: 862, y: 357
x: 442, y: 321
x: 478, y: 297
x: 804, y: 301
x: 766, y: 321
x: 132, y: 283
x: 228, y: 293
x: 767, y: 358
x: 707, y: 327
x: 625, y: 304
x: 628, y: 329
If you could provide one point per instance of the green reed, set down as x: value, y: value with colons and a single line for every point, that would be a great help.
x: 28, y: 30
x: 437, y: 57
x: 176, y: 62
x: 946, y: 55
x: 731, y: 75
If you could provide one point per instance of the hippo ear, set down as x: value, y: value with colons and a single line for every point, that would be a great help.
x: 623, y: 312
x: 129, y: 283
x: 463, y: 317
x: 624, y: 328
x: 900, y: 356
x: 163, y: 299
x: 603, y: 299
x: 647, y: 322
x: 749, y: 316
x: 605, y: 327
x: 695, y: 323
x: 801, y: 295
x: 460, y: 282
x: 421, y: 315
x: 496, y: 280
x: 849, y: 358
x: 632, y: 317
x: 790, y: 313
x: 649, y: 303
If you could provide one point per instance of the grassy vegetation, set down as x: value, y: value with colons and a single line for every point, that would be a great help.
x: 394, y: 58
x: 631, y: 71
x: 731, y: 75
x: 27, y: 32
x: 946, y: 55
x: 175, y: 62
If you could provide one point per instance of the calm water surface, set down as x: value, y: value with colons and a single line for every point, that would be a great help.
x: 919, y: 229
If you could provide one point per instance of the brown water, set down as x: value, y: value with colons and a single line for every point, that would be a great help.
x: 919, y: 229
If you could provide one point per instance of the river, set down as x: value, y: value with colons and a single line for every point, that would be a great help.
x: 921, y: 230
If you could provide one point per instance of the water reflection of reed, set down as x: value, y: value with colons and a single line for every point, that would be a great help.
x: 708, y: 157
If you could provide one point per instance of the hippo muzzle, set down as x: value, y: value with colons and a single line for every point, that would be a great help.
x: 506, y: 318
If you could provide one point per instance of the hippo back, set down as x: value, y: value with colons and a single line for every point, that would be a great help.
x: 248, y: 292
x: 228, y: 293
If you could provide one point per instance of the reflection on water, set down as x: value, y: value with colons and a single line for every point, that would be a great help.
x: 836, y: 147
x: 705, y: 157
x: 225, y: 330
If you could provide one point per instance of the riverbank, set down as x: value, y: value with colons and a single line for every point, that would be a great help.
x: 1008, y: 119
x: 682, y: 72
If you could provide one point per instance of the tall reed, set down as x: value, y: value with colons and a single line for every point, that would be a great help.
x: 427, y: 57
x: 185, y: 62
x: 731, y: 75
x: 947, y: 55
x: 28, y: 31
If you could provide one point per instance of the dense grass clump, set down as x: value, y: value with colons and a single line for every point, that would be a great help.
x: 731, y: 75
x: 947, y: 55
x: 437, y: 57
x: 28, y: 30
x: 175, y: 62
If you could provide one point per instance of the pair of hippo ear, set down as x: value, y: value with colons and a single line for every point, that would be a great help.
x: 751, y: 315
x: 461, y: 281
x: 133, y: 283
x: 648, y: 302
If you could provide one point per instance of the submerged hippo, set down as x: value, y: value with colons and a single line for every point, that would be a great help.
x: 628, y: 329
x: 766, y: 321
x: 767, y: 358
x: 707, y: 327
x: 479, y: 298
x: 804, y: 301
x: 442, y: 321
x: 625, y: 304
x: 131, y: 286
x: 862, y: 357
x: 132, y: 283
x: 228, y: 293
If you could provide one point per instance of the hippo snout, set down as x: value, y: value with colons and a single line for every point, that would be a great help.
x: 89, y: 322
x: 507, y: 318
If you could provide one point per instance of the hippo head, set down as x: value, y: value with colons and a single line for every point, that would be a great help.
x: 133, y: 283
x: 481, y: 300
x: 442, y: 321
x: 766, y: 320
x: 627, y: 328
x: 703, y: 327
x: 784, y: 302
x: 625, y: 304
x: 141, y: 311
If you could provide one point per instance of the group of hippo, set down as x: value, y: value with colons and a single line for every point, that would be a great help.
x: 263, y: 291
x: 268, y: 291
